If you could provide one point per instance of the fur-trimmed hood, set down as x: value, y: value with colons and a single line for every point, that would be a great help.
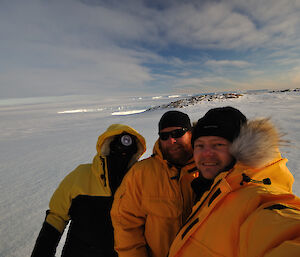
x: 256, y: 150
x: 257, y: 144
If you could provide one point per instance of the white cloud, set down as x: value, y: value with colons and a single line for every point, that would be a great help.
x: 212, y: 26
x: 68, y: 46
x: 202, y: 84
x: 74, y: 71
x: 233, y: 63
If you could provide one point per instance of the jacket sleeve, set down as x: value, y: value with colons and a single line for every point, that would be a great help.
x: 129, y: 219
x: 60, y: 203
x: 272, y: 231
x: 46, y: 242
x: 56, y: 220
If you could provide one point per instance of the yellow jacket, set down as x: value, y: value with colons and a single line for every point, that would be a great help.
x: 84, y: 197
x: 151, y: 205
x: 248, y: 211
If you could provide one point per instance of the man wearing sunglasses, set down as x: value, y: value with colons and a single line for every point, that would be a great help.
x: 155, y: 197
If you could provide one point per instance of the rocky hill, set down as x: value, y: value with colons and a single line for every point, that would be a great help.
x: 194, y: 100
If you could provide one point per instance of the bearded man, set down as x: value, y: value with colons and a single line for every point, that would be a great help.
x: 155, y: 197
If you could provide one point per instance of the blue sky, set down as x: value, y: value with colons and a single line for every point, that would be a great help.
x: 131, y: 47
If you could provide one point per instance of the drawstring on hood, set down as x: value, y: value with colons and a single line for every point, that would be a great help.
x: 247, y: 179
x: 103, y: 176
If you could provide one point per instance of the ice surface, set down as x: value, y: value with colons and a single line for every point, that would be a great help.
x: 41, y: 141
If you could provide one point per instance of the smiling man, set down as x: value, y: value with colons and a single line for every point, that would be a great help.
x: 212, y: 138
x: 155, y: 198
x: 245, y: 202
x: 212, y: 155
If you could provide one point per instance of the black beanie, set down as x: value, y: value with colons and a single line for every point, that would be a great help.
x: 223, y: 122
x: 174, y: 119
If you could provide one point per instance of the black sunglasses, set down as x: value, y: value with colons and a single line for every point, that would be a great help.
x: 176, y: 133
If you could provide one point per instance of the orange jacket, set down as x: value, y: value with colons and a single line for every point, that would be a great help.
x: 150, y: 206
x: 248, y: 212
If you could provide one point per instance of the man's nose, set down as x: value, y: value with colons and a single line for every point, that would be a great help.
x: 208, y: 150
x: 172, y: 140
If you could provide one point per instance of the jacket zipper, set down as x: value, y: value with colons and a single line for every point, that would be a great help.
x: 194, y: 213
x: 103, y: 176
x: 245, y: 179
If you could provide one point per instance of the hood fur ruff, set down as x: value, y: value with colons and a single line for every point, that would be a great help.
x: 257, y: 143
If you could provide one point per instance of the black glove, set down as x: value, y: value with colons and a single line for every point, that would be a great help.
x: 47, y: 241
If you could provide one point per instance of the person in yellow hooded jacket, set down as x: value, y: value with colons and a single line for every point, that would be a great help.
x: 85, y: 197
x: 155, y: 197
x: 246, y: 207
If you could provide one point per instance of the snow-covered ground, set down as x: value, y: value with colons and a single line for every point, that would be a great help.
x: 43, y: 139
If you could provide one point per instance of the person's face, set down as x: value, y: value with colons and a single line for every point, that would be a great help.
x: 211, y: 155
x: 176, y: 150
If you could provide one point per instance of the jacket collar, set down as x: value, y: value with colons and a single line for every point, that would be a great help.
x: 173, y: 170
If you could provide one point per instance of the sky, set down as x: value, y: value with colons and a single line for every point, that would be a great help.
x: 146, y: 47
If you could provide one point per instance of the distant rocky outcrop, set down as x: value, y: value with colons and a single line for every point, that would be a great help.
x: 184, y: 102
x: 286, y: 90
x: 194, y: 100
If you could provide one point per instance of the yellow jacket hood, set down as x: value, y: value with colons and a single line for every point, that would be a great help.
x: 157, y: 151
x: 104, y: 141
x: 116, y: 129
